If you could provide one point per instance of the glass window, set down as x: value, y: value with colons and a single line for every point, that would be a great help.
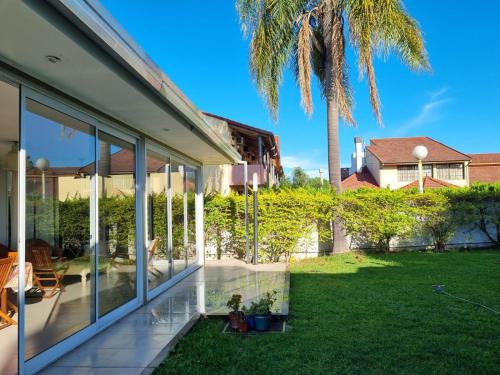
x: 191, y: 214
x: 9, y: 148
x: 410, y: 172
x: 453, y: 171
x: 60, y: 168
x: 158, y: 256
x: 117, y: 232
x: 179, y: 235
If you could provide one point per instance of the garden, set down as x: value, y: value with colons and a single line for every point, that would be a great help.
x: 367, y: 313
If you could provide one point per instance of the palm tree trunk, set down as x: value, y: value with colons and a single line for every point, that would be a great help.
x: 339, y: 238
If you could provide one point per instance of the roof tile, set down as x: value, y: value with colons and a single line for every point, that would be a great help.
x: 399, y: 150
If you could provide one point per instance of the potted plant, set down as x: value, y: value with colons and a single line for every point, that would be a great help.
x: 250, y: 315
x: 263, y: 311
x: 235, y: 314
x: 243, y: 327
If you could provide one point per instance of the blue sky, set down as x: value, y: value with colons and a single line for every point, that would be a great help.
x: 200, y: 46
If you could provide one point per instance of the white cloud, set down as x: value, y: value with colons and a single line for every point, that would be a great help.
x: 428, y: 113
x: 311, y: 163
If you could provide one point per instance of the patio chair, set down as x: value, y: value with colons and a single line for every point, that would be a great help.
x: 151, y: 254
x: 55, y: 252
x: 5, y: 269
x: 4, y: 251
x: 45, y: 275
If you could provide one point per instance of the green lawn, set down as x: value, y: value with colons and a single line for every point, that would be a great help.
x: 375, y: 315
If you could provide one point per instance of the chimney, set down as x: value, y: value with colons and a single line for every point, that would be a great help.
x: 358, y: 156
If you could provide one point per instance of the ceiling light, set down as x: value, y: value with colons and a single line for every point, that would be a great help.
x: 53, y: 59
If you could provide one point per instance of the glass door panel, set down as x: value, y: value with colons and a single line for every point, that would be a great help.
x: 9, y: 140
x: 117, y: 225
x: 191, y: 214
x: 60, y: 168
x: 158, y: 256
x: 177, y: 180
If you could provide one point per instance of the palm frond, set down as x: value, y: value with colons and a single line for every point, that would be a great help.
x: 336, y: 74
x: 380, y: 26
x: 271, y: 26
x: 304, y: 41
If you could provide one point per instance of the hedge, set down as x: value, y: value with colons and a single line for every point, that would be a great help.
x: 286, y: 218
x: 371, y: 217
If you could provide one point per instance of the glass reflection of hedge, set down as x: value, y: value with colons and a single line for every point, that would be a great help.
x: 66, y: 223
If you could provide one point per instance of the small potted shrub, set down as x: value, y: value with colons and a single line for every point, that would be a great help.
x: 263, y: 311
x: 235, y: 314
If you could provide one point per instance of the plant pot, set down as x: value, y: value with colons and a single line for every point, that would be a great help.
x: 251, y: 322
x: 234, y: 319
x: 262, y: 322
x: 243, y: 326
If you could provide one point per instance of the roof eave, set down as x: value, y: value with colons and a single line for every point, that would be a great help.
x: 92, y: 19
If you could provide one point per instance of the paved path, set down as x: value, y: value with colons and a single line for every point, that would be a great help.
x: 139, y: 342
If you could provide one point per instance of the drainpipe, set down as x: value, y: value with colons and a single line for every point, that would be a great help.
x: 245, y: 192
x: 260, y: 149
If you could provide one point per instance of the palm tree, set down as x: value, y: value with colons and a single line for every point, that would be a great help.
x: 311, y: 34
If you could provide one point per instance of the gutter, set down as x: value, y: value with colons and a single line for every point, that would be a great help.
x: 97, y: 23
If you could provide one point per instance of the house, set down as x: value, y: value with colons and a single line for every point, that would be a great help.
x: 101, y: 157
x: 484, y: 168
x: 258, y: 148
x: 389, y: 163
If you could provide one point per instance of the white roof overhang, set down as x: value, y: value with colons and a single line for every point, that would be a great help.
x: 104, y: 68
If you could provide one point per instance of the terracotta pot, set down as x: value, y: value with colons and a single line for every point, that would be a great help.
x: 234, y: 319
x: 243, y: 326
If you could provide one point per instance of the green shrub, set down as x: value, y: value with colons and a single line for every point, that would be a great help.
x: 376, y: 216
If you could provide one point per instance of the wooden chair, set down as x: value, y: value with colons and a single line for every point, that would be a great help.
x: 45, y: 275
x: 5, y: 269
x: 4, y: 251
x: 151, y: 254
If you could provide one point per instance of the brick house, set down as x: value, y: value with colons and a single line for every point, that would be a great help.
x: 389, y: 163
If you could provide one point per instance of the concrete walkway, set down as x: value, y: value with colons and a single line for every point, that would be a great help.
x: 139, y: 342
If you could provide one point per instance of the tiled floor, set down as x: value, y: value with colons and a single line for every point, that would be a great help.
x: 139, y: 342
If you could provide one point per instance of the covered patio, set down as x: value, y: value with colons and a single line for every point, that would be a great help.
x: 139, y: 342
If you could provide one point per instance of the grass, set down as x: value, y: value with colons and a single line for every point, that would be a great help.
x: 378, y: 314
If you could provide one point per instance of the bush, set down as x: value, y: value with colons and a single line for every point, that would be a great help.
x: 286, y: 218
x: 376, y: 216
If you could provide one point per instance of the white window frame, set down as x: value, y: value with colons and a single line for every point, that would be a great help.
x: 42, y: 359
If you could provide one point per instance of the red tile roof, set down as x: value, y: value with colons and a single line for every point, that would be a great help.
x: 399, y: 150
x: 492, y: 158
x: 360, y: 179
x: 429, y: 183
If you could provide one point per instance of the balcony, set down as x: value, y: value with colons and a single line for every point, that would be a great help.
x: 237, y: 174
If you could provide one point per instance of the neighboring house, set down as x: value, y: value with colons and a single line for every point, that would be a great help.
x: 484, y: 168
x: 259, y: 148
x: 389, y: 163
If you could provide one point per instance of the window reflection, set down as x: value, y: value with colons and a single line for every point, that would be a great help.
x: 9, y: 316
x: 191, y: 214
x: 158, y: 256
x: 117, y: 232
x: 60, y: 166
x: 179, y: 235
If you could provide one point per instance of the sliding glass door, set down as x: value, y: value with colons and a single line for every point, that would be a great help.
x: 159, y: 260
x: 79, y: 225
x: 60, y: 170
x: 117, y: 222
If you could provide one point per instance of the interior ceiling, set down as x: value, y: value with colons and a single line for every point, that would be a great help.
x: 28, y: 35
x: 9, y: 117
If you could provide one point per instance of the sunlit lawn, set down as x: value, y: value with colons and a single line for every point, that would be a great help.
x: 378, y: 314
